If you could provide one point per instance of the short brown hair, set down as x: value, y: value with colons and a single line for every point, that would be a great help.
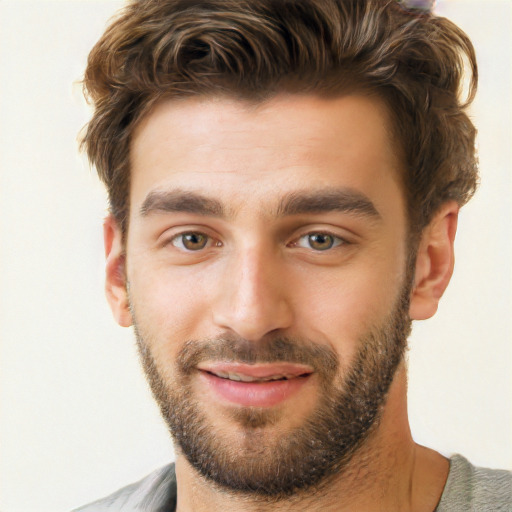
x: 254, y: 49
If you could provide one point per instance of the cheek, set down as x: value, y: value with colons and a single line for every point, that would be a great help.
x: 342, y: 307
x: 170, y: 308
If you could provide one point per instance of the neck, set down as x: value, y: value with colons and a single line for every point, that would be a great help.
x: 388, y: 472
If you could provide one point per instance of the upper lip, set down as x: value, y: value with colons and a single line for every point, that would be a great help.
x: 263, y: 371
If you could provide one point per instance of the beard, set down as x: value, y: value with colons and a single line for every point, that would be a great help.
x: 263, y: 460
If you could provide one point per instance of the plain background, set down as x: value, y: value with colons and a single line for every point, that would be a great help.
x: 77, y: 420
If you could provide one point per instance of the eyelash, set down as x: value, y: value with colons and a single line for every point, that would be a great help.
x: 177, y: 241
x: 336, y: 240
x: 180, y: 237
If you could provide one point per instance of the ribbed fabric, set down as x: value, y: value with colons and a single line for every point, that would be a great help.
x: 474, y: 489
x: 155, y: 493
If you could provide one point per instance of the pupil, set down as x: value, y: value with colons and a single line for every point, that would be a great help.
x: 320, y: 241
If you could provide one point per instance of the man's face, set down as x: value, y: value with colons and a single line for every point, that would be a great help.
x: 266, y: 264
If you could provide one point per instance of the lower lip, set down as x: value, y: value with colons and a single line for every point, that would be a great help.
x: 254, y: 394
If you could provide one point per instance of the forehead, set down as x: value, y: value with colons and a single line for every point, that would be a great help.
x: 248, y: 155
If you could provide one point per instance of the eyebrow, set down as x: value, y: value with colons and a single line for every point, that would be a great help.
x: 344, y: 200
x: 181, y: 201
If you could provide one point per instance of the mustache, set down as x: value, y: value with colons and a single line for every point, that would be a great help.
x: 234, y: 349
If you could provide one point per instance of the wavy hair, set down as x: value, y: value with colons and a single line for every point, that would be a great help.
x: 254, y: 49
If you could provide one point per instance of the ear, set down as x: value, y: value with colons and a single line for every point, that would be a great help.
x: 434, y: 262
x: 115, y: 279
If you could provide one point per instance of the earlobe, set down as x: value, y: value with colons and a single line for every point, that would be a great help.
x: 434, y: 262
x: 115, y: 279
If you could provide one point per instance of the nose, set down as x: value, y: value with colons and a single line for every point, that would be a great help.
x: 253, y: 296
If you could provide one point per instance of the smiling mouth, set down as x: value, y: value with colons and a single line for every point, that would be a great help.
x: 240, y: 377
x: 254, y: 385
x: 258, y: 372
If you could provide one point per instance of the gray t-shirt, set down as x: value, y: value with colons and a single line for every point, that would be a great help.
x: 468, y: 489
x: 472, y: 489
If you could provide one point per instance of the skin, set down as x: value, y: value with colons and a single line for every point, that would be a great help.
x: 258, y: 273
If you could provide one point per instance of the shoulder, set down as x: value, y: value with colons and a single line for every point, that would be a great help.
x: 154, y: 493
x: 473, y: 488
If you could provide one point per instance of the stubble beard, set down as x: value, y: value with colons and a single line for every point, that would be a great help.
x: 272, y: 463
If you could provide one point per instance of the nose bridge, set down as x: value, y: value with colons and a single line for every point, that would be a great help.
x: 253, y: 299
x: 254, y: 274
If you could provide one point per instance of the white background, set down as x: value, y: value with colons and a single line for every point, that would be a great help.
x: 77, y: 420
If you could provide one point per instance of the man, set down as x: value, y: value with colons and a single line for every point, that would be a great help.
x: 284, y: 181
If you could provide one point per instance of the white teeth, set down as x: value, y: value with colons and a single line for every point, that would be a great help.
x: 224, y: 375
x: 246, y: 378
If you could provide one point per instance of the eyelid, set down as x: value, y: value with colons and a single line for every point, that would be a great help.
x: 337, y: 240
x: 211, y: 240
x: 178, y: 242
x: 344, y: 236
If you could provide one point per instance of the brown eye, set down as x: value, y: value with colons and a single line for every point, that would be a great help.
x: 191, y: 241
x: 319, y: 241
